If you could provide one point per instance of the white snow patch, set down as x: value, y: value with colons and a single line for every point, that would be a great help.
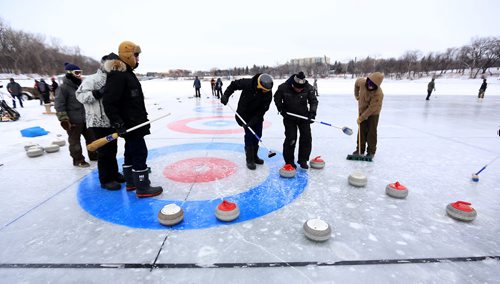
x: 371, y: 237
x: 356, y: 226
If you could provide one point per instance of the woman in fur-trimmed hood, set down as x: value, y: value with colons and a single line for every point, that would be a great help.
x: 90, y: 94
x: 125, y: 108
x: 369, y: 95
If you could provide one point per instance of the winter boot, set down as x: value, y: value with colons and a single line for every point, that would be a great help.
x: 258, y: 160
x: 143, y: 185
x: 250, y: 156
x: 120, y: 178
x: 47, y: 109
x: 112, y: 185
x: 129, y: 179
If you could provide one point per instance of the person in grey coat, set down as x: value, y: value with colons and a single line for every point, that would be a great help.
x: 71, y: 114
x: 90, y: 94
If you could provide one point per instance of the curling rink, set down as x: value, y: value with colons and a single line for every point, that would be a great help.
x: 58, y: 226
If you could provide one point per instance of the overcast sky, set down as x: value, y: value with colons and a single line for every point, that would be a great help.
x: 200, y: 35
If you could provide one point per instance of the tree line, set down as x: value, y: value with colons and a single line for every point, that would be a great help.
x: 473, y: 59
x: 26, y: 53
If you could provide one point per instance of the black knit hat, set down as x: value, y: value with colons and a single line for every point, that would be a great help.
x: 299, y: 80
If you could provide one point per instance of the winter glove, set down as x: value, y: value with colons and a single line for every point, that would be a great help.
x: 311, y: 117
x: 282, y: 112
x: 66, y: 125
x: 224, y: 99
x: 98, y: 93
x: 120, y: 129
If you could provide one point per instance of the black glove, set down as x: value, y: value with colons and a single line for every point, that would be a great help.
x: 498, y: 132
x: 120, y: 129
x: 311, y: 117
x: 98, y: 93
x: 283, y: 112
x: 224, y: 99
x: 66, y: 125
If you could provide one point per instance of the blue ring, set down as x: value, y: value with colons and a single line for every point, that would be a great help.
x: 124, y: 208
x: 217, y: 110
x: 221, y: 123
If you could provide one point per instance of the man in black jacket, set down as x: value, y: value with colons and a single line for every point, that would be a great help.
x: 293, y: 96
x: 256, y: 96
x: 124, y: 105
x: 15, y: 91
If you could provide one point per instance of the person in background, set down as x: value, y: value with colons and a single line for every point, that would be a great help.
x: 315, y: 87
x: 482, y: 90
x: 15, y: 91
x: 256, y: 96
x: 44, y: 91
x: 369, y: 95
x: 71, y: 115
x: 212, y: 84
x: 197, y: 87
x: 90, y: 94
x: 218, y: 88
x: 297, y: 96
x: 430, y: 87
x: 124, y: 105
x: 53, y: 88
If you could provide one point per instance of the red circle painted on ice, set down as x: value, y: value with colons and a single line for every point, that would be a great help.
x: 182, y: 126
x: 199, y: 170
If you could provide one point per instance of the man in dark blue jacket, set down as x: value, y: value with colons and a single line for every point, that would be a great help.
x: 124, y: 105
x: 256, y: 96
x: 293, y: 96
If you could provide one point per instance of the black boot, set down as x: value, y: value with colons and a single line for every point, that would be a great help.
x: 129, y: 179
x: 112, y: 185
x: 258, y: 160
x: 250, y: 156
x: 143, y: 185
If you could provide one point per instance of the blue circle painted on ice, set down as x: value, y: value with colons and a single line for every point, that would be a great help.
x: 124, y: 208
x: 220, y: 123
x: 215, y: 109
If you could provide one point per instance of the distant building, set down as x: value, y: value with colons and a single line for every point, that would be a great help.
x: 310, y: 61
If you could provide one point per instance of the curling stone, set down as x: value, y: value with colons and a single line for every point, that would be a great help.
x: 288, y: 171
x: 34, y: 151
x: 396, y: 190
x: 461, y: 211
x: 52, y: 148
x: 227, y: 211
x: 317, y: 163
x: 475, y: 177
x: 29, y: 145
x: 170, y: 214
x: 357, y: 179
x: 59, y: 142
x: 317, y: 230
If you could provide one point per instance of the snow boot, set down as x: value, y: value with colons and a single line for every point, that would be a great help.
x: 143, y: 185
x: 129, y: 179
x: 258, y: 160
x: 112, y: 185
x: 250, y: 157
x: 120, y: 178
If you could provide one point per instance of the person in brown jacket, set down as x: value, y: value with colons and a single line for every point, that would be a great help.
x: 369, y: 95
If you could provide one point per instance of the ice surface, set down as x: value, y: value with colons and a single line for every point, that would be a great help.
x: 431, y: 147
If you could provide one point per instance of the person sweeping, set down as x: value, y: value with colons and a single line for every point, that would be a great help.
x: 369, y: 95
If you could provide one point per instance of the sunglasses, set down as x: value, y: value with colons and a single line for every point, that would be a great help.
x: 76, y: 72
x: 136, y: 54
